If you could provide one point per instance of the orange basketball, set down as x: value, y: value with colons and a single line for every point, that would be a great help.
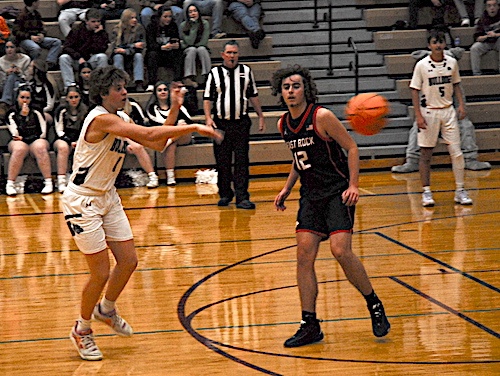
x: 367, y: 113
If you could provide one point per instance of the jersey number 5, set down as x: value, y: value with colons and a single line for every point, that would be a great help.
x: 300, y: 158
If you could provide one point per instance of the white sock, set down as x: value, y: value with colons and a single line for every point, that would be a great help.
x: 170, y: 173
x: 61, y: 178
x: 107, y: 305
x: 152, y: 174
x: 47, y: 181
x: 82, y: 325
x: 427, y: 188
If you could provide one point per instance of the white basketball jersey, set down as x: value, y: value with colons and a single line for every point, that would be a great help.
x: 435, y: 81
x: 96, y: 165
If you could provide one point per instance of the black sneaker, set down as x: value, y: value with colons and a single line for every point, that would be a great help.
x: 309, y: 332
x: 380, y: 324
x: 224, y: 201
x: 245, y: 204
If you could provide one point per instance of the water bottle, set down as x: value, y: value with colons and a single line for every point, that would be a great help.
x: 457, y: 41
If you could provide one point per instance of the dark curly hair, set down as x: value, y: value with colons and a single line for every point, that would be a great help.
x: 101, y: 79
x: 310, y: 90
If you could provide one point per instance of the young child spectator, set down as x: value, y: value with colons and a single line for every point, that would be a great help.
x: 149, y: 8
x: 157, y: 110
x: 110, y: 9
x: 86, y: 42
x: 195, y: 34
x: 4, y: 35
x: 32, y: 37
x: 135, y: 112
x: 435, y: 80
x: 248, y: 14
x: 464, y: 15
x: 213, y: 8
x: 71, y: 10
x: 84, y: 70
x: 128, y: 46
x: 14, y: 69
x: 43, y: 91
x: 69, y: 118
x: 28, y: 129
x: 487, y: 36
x: 164, y: 49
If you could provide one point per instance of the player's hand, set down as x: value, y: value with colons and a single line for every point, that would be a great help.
x: 421, y: 123
x: 350, y: 196
x: 461, y: 112
x: 279, y: 201
x: 177, y: 92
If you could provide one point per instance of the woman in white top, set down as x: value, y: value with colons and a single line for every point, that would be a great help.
x: 92, y: 207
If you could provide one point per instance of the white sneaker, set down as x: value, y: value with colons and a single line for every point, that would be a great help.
x: 48, y: 187
x: 171, y: 180
x: 465, y: 22
x: 462, y: 197
x: 85, y: 344
x: 113, y: 320
x: 150, y: 88
x: 10, y: 189
x: 427, y: 199
x: 153, y: 182
x: 61, y: 184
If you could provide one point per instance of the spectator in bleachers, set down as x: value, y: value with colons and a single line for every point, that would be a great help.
x: 128, y: 47
x: 248, y: 14
x: 213, y: 8
x: 437, y: 7
x: 14, y: 69
x: 4, y: 35
x: 29, y: 130
x: 151, y: 7
x: 84, y: 70
x: 32, y: 37
x: 464, y: 15
x: 157, y: 110
x: 43, y: 96
x: 86, y: 42
x: 110, y: 9
x: 71, y: 11
x: 163, y: 46
x: 136, y: 113
x: 195, y: 32
x: 69, y: 118
x: 487, y: 36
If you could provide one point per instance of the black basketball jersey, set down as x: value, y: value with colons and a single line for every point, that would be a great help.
x: 321, y: 163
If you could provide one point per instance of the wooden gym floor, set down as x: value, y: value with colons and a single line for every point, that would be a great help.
x: 215, y: 290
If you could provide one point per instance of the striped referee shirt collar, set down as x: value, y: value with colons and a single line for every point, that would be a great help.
x: 230, y: 69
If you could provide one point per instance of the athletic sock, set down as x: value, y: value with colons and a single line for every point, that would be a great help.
x: 107, y: 305
x: 82, y: 325
x: 371, y: 299
x: 308, y: 316
x: 427, y: 188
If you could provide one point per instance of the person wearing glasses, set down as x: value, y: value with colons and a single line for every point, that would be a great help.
x: 29, y: 130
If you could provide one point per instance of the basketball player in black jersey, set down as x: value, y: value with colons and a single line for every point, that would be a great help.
x: 328, y: 195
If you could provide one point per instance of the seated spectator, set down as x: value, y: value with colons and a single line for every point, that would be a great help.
x: 487, y: 36
x: 4, y: 35
x: 438, y: 10
x: 86, y: 42
x: 71, y: 11
x: 248, y: 14
x: 84, y: 70
x: 157, y: 110
x: 195, y: 32
x: 464, y: 15
x: 32, y: 37
x: 128, y: 46
x: 110, y: 9
x: 14, y: 69
x: 29, y: 130
x: 213, y: 8
x: 43, y: 96
x: 163, y: 46
x: 149, y: 8
x: 134, y: 110
x: 69, y: 118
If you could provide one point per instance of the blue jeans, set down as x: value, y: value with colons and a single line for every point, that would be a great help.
x: 68, y: 66
x: 214, y: 8
x: 148, y: 12
x: 247, y: 17
x: 12, y: 82
x: 34, y: 49
x: 138, y: 64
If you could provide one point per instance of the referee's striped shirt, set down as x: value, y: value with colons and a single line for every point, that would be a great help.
x: 229, y: 90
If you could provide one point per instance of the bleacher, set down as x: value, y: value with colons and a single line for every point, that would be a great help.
x: 385, y: 66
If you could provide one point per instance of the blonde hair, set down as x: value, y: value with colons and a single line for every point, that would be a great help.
x: 123, y: 26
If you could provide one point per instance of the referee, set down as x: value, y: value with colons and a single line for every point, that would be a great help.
x: 230, y: 87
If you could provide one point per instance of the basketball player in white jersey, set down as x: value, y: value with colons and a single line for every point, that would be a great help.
x: 92, y: 207
x: 435, y: 79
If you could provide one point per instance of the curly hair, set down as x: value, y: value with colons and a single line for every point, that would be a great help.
x: 101, y: 80
x: 310, y: 90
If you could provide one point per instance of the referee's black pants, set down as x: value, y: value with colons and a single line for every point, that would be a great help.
x: 236, y: 141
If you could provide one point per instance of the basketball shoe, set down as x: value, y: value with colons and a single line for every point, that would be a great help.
x: 309, y: 332
x: 427, y: 199
x: 84, y: 343
x: 462, y: 197
x: 113, y: 320
x: 380, y: 324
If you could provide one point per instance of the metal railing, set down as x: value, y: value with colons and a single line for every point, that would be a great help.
x: 354, y: 66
